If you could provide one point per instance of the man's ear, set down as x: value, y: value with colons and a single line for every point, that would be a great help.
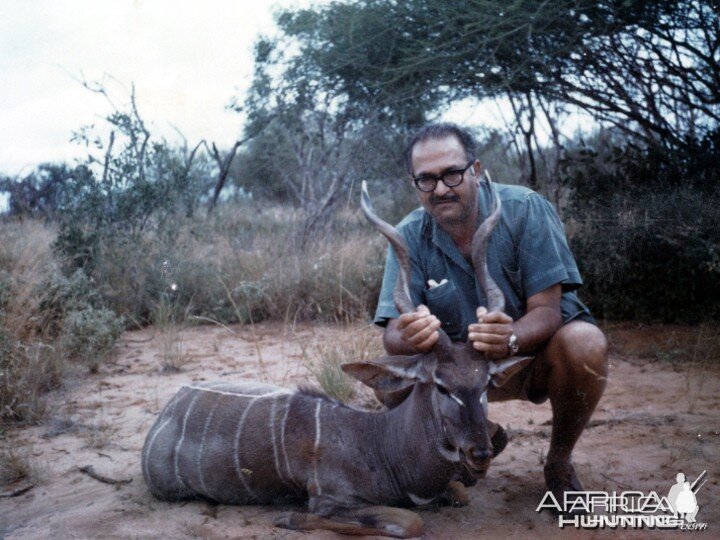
x: 392, y: 373
x: 477, y: 170
x: 501, y: 370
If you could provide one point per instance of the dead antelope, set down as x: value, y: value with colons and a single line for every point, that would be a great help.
x: 262, y: 444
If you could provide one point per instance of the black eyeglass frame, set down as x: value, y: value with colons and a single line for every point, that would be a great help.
x: 441, y: 177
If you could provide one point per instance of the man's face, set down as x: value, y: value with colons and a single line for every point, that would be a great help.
x: 449, y: 206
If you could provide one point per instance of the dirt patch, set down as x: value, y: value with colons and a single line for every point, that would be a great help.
x: 655, y: 420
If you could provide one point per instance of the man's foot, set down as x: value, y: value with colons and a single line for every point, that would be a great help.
x: 560, y: 478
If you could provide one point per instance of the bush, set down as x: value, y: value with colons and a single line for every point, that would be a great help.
x: 27, y: 372
x: 47, y: 319
x: 643, y: 229
x: 241, y: 266
x: 88, y: 334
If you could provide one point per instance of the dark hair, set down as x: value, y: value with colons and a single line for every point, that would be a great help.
x: 440, y: 131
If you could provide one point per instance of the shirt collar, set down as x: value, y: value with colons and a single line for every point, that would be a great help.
x: 442, y: 239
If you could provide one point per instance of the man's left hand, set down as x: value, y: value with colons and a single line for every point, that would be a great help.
x: 491, y: 334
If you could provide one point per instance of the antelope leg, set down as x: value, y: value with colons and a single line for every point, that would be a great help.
x: 367, y: 521
x: 455, y: 494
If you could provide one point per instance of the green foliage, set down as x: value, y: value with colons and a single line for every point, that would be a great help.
x: 87, y: 335
x: 647, y: 67
x: 48, y: 321
x: 73, y: 314
x: 130, y: 184
x: 311, y: 143
x: 645, y: 230
x: 60, y: 295
x: 42, y: 193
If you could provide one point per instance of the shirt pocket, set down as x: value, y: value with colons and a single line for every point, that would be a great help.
x: 514, y: 278
x: 443, y: 301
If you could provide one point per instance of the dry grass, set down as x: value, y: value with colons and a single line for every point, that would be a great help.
x: 323, y: 361
x: 17, y: 470
x: 674, y: 343
x: 244, y: 266
x: 29, y: 363
x: 46, y: 320
x: 170, y: 321
x: 26, y: 263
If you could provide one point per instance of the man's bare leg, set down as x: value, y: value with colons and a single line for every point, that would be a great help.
x: 572, y: 371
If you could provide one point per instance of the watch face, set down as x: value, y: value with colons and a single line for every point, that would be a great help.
x: 513, y: 344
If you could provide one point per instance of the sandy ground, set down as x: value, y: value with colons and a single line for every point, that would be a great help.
x: 654, y: 421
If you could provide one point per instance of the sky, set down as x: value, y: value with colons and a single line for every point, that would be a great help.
x: 187, y: 59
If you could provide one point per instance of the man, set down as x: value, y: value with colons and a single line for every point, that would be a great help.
x: 529, y: 258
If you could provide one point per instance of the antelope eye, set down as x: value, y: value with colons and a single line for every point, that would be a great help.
x: 442, y: 390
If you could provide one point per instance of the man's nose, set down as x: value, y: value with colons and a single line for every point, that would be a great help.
x: 441, y: 189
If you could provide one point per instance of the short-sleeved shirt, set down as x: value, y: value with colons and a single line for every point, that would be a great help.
x: 527, y: 253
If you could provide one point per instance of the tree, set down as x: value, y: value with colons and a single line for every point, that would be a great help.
x: 649, y: 68
x: 43, y: 193
x: 129, y: 183
x: 309, y: 143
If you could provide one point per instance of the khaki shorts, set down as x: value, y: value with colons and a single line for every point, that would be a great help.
x: 519, y: 386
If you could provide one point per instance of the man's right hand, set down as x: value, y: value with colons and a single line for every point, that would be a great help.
x: 419, y: 329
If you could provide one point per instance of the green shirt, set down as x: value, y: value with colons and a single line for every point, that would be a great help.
x: 527, y: 253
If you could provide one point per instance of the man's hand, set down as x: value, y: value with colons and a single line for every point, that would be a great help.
x: 491, y: 334
x: 419, y: 328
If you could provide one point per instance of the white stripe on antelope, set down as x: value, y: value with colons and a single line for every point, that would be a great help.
x: 250, y: 443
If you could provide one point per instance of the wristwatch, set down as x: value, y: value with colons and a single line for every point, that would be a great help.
x: 513, y: 345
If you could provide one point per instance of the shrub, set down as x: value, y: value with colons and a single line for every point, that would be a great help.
x: 46, y: 320
x: 644, y: 231
x: 27, y: 373
x: 88, y: 334
x: 241, y: 266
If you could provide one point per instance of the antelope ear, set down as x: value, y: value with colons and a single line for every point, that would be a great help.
x: 502, y: 370
x: 392, y: 373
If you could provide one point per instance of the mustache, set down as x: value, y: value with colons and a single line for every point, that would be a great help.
x: 434, y: 199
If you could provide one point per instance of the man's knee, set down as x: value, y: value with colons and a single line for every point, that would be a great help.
x: 581, y: 346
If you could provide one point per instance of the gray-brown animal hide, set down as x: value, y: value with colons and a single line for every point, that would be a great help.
x: 252, y: 443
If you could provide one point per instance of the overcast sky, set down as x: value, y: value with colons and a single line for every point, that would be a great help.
x: 186, y: 58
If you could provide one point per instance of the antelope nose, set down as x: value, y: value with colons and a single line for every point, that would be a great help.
x: 481, y: 454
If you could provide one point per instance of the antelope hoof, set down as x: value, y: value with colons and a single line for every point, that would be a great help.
x: 455, y: 495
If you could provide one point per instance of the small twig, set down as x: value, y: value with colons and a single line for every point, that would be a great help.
x: 18, y: 491
x: 208, y: 319
x: 143, y: 340
x: 619, y: 484
x: 90, y: 471
x: 601, y: 422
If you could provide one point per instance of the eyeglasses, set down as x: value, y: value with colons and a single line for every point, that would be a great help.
x: 451, y: 178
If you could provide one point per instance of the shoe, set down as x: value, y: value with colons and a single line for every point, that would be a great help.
x: 559, y: 478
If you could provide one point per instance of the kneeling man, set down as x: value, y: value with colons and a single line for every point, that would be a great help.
x: 529, y: 258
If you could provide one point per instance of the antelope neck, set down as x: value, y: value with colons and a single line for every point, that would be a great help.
x: 410, y: 447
